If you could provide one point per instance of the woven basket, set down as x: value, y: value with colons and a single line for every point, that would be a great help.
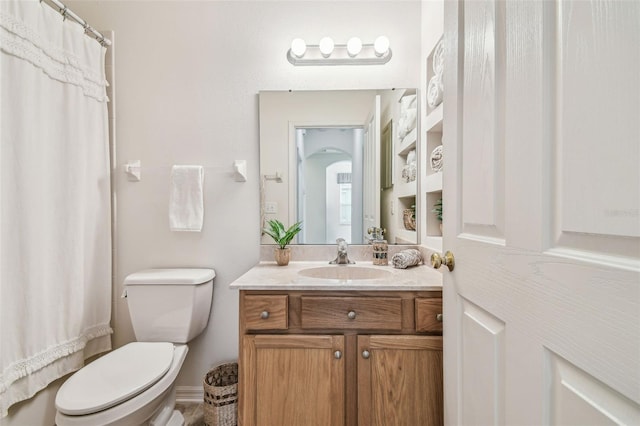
x: 221, y: 395
x: 409, y: 219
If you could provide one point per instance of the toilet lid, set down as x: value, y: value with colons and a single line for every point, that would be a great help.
x: 114, y: 378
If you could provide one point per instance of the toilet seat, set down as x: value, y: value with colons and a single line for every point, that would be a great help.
x: 116, y: 377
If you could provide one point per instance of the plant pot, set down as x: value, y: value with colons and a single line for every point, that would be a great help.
x: 282, y: 256
x: 441, y: 229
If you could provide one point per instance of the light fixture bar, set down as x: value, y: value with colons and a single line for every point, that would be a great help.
x: 339, y: 56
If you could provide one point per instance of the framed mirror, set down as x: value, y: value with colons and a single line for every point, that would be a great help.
x: 332, y: 159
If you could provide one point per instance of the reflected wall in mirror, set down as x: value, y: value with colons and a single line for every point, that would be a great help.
x: 322, y: 162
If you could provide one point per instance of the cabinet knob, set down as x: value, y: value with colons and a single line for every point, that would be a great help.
x: 337, y: 354
x: 351, y: 315
x: 264, y: 314
x: 366, y: 354
x: 439, y: 317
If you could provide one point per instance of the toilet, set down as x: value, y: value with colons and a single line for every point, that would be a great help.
x: 134, y: 384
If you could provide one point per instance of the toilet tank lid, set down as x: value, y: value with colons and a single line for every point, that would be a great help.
x: 191, y: 276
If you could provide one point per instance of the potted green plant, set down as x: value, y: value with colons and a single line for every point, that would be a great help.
x: 282, y: 237
x: 437, y: 209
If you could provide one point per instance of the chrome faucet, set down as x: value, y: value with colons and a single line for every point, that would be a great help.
x: 342, y: 258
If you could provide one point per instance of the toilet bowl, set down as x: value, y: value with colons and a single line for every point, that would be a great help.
x: 99, y: 398
x: 135, y: 384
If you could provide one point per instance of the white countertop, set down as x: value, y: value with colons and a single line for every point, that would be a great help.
x: 270, y: 276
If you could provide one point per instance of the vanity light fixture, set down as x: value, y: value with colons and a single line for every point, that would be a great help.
x: 298, y: 47
x: 354, y: 46
x: 326, y: 52
x: 326, y: 46
x: 381, y: 46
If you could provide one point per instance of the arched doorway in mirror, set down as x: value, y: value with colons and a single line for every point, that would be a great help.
x: 329, y: 184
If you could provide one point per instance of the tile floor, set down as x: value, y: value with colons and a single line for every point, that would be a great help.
x: 193, y: 415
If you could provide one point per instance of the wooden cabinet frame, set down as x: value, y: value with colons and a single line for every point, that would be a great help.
x: 354, y: 384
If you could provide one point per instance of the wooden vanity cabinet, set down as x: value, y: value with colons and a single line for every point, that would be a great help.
x: 340, y: 358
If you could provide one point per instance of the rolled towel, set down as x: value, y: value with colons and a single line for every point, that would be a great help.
x: 411, y: 116
x: 407, y: 122
x: 438, y: 59
x: 406, y: 258
x: 436, y: 159
x: 411, y: 156
x: 407, y: 102
x: 434, y: 91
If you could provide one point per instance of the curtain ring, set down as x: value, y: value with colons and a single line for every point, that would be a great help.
x: 64, y: 13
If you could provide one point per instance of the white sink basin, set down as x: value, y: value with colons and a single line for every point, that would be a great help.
x: 344, y: 273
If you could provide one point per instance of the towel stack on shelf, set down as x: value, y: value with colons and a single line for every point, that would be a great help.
x: 408, y: 116
x: 410, y: 170
x: 406, y: 123
x: 435, y: 88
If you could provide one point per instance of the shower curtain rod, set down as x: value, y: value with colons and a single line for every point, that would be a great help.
x: 68, y: 13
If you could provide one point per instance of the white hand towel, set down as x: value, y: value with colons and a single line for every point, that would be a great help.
x: 186, y: 203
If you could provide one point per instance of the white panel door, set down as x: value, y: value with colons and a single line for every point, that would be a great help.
x: 371, y: 178
x: 542, y: 212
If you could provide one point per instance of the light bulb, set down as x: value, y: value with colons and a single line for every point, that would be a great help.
x: 298, y: 47
x: 381, y: 45
x: 326, y: 46
x: 354, y: 46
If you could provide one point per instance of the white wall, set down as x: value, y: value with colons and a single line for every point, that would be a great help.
x: 188, y: 74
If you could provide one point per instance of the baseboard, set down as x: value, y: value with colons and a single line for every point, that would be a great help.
x: 189, y: 394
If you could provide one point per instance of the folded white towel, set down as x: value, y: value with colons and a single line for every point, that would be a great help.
x: 407, y: 122
x: 407, y: 102
x: 435, y: 91
x: 186, y: 202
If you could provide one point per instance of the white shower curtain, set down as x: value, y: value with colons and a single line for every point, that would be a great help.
x: 55, y: 235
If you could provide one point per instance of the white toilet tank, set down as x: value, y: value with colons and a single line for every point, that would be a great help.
x: 169, y: 305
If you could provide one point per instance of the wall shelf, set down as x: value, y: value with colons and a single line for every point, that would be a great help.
x: 433, y: 182
x: 403, y: 190
x: 433, y: 123
x: 404, y: 236
x: 408, y: 143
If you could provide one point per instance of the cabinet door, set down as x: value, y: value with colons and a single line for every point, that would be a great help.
x: 292, y: 380
x: 400, y: 380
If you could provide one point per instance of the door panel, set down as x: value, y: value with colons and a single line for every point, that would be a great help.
x: 543, y: 307
x: 597, y: 131
x: 482, y: 365
x: 596, y: 114
x: 576, y: 397
x: 483, y: 133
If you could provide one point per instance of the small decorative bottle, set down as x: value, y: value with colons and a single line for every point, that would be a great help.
x: 380, y: 251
